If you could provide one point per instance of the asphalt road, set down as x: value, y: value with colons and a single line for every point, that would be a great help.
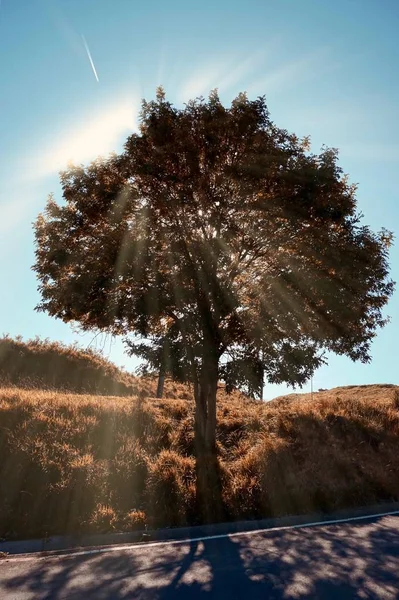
x: 359, y: 559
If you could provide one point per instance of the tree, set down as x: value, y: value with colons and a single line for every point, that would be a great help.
x: 224, y: 242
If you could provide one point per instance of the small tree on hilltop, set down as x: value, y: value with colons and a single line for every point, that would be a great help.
x: 222, y: 235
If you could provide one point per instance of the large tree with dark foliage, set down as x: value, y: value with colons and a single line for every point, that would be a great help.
x: 225, y: 243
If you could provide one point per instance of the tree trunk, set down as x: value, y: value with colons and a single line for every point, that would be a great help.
x: 262, y: 383
x: 161, y: 382
x: 208, y: 482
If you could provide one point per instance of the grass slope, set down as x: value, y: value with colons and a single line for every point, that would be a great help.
x: 41, y: 364
x: 75, y: 462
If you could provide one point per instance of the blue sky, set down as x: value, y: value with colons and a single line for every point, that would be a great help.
x: 328, y: 69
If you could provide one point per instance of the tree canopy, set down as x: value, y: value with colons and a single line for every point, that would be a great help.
x: 224, y: 241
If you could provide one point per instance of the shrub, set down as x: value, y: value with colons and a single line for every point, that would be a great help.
x: 134, y: 520
x: 128, y: 474
x: 170, y: 489
x: 103, y: 519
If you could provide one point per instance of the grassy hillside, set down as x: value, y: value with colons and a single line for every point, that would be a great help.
x: 40, y: 364
x: 74, y: 462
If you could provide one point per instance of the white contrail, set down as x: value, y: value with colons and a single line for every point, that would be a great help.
x: 90, y: 58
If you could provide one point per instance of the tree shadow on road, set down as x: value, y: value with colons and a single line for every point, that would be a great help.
x: 347, y: 561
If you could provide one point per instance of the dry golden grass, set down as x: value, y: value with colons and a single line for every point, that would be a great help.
x: 76, y: 462
x: 41, y: 364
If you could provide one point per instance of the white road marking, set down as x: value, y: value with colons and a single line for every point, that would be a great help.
x: 135, y: 545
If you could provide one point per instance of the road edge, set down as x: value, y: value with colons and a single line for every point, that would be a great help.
x: 57, y: 545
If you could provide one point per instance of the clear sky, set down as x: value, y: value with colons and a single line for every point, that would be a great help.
x: 72, y: 73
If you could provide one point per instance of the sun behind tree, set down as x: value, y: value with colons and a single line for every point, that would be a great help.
x: 223, y: 241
